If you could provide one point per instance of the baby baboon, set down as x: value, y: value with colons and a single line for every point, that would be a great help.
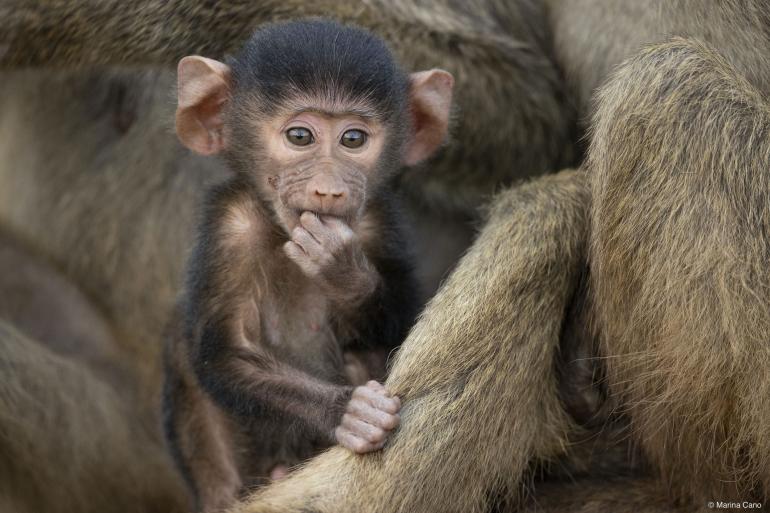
x: 526, y: 70
x: 301, y: 284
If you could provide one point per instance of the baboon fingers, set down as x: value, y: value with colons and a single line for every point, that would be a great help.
x: 356, y: 442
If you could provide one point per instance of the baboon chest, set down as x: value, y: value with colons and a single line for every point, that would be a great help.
x: 296, y: 325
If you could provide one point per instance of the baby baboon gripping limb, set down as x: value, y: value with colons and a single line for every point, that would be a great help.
x: 492, y: 329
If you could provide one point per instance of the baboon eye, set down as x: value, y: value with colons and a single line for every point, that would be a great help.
x: 353, y: 138
x: 299, y: 136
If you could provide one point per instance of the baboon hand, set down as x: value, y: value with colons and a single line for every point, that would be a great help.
x: 328, y: 251
x: 370, y: 416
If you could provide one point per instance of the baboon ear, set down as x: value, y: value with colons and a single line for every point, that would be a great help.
x: 430, y: 98
x: 202, y: 90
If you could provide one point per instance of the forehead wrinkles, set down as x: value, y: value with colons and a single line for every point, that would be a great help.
x: 331, y: 99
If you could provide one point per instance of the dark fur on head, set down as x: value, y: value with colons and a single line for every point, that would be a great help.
x: 317, y: 57
x: 343, y: 67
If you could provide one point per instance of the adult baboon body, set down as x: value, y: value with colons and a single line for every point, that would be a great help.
x: 69, y: 399
x: 490, y: 338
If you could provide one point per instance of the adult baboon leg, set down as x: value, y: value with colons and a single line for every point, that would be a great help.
x: 681, y: 242
x: 69, y: 442
x: 476, y: 375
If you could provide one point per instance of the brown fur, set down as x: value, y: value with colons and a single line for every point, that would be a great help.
x: 43, y: 305
x: 300, y: 260
x: 64, y: 373
x: 681, y: 148
x: 100, y: 437
x: 91, y: 178
x: 204, y: 434
x: 216, y: 449
x: 122, y: 256
x: 613, y: 495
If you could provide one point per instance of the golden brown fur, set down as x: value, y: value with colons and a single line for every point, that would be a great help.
x: 91, y: 178
x: 681, y: 148
x: 454, y: 374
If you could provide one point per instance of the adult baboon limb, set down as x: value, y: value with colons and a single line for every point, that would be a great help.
x: 45, y: 306
x: 681, y: 241
x: 73, y: 434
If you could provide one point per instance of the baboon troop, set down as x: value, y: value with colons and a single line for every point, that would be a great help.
x: 597, y: 224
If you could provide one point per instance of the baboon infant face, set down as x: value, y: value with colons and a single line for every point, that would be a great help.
x: 322, y: 146
x: 321, y: 161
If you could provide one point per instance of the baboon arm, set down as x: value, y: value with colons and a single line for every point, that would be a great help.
x: 226, y: 345
x: 475, y: 375
x: 250, y: 383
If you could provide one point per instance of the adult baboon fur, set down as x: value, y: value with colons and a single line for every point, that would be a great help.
x: 68, y: 399
x: 482, y: 373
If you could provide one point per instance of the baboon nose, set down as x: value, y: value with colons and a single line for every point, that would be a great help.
x: 324, y: 192
x: 328, y: 194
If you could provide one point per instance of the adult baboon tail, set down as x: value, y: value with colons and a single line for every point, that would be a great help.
x: 476, y: 373
x: 681, y: 242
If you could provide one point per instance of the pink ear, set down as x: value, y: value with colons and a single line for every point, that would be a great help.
x: 203, y: 86
x: 430, y: 95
